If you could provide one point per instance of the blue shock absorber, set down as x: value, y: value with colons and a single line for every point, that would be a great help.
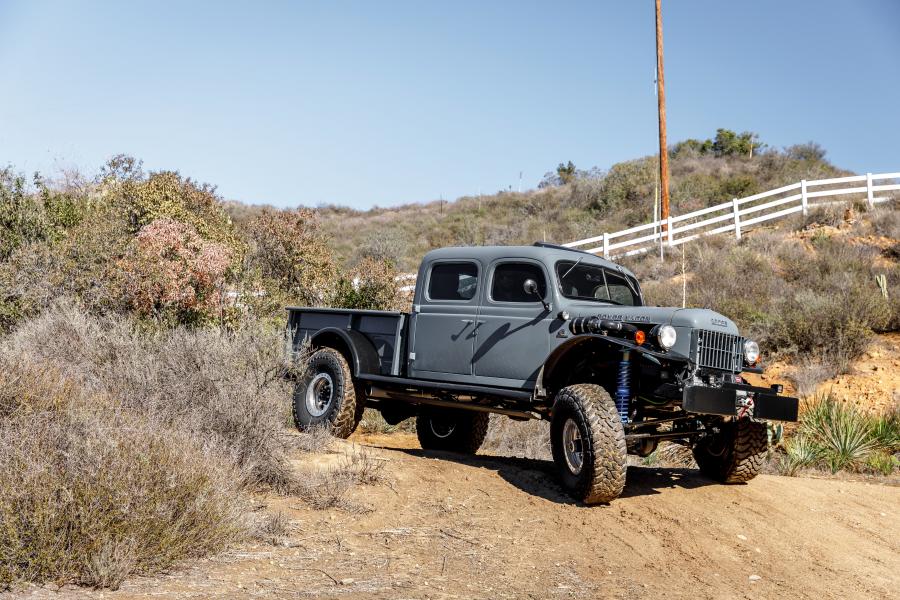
x: 623, y: 386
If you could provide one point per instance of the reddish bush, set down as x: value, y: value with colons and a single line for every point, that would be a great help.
x: 171, y: 273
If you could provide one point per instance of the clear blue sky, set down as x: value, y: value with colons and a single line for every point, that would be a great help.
x: 364, y: 103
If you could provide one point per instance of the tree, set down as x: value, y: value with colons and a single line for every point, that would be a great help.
x: 566, y: 172
x: 726, y: 143
x: 729, y: 143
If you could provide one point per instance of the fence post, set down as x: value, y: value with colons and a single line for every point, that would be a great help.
x: 737, y: 218
x: 804, y: 201
x: 669, y: 230
x: 869, y: 193
x: 606, y: 246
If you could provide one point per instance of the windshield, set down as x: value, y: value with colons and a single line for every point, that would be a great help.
x: 581, y: 281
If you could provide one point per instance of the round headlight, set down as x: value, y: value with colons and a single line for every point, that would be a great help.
x: 666, y: 336
x: 751, y: 352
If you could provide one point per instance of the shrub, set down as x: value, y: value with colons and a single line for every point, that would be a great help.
x: 224, y: 387
x: 21, y: 217
x: 167, y: 195
x: 91, y: 492
x: 291, y: 255
x: 171, y: 274
x: 371, y: 285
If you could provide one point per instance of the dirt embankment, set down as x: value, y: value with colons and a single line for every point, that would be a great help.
x: 873, y: 383
x: 447, y: 526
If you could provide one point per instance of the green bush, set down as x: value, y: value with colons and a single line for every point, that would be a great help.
x: 371, y: 285
x: 21, y: 216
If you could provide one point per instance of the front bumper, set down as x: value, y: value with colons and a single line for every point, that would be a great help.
x: 733, y: 399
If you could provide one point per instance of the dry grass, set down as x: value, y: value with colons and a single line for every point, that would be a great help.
x: 373, y: 422
x: 91, y: 492
x: 330, y: 487
x: 527, y: 439
x: 223, y: 387
x: 124, y: 451
x: 273, y: 528
x: 672, y: 456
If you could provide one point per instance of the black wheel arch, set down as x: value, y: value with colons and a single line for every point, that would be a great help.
x: 568, y: 362
x: 356, y: 348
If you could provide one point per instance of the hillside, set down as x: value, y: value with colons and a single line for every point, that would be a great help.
x: 584, y: 204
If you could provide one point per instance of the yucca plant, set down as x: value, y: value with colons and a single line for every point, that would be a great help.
x: 842, y: 433
x: 800, y: 452
x: 886, y: 431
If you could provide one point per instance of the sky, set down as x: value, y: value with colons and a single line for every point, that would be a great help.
x: 386, y: 103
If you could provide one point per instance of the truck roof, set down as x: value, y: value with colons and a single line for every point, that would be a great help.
x: 539, y: 251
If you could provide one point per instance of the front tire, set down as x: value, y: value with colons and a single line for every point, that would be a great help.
x: 588, y: 443
x: 325, y: 395
x: 735, y: 453
x: 452, y: 430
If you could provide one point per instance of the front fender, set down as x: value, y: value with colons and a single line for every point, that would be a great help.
x: 557, y: 360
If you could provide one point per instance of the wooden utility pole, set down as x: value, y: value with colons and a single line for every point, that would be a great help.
x: 661, y: 101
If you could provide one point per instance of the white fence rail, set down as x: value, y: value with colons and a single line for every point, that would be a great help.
x: 739, y: 214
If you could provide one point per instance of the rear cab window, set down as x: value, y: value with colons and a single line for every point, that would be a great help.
x: 453, y: 281
x: 583, y: 281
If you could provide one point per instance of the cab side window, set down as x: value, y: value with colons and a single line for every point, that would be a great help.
x: 509, y: 282
x: 453, y: 281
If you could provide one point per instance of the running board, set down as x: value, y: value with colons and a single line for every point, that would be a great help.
x: 456, y: 388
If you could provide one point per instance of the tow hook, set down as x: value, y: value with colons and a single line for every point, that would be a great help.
x: 743, y: 404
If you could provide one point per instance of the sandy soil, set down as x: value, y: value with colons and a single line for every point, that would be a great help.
x: 448, y: 526
x: 873, y: 383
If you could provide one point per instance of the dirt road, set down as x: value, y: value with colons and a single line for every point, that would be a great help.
x: 446, y: 526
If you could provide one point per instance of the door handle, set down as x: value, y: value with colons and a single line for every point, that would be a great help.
x: 468, y: 321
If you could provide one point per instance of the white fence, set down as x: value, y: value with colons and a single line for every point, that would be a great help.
x: 739, y: 214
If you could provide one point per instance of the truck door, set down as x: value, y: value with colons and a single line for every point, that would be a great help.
x: 444, y: 322
x: 513, y: 326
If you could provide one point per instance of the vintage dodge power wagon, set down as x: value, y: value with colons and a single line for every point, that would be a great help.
x: 542, y: 332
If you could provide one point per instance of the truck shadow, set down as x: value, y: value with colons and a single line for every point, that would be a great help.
x: 538, y: 477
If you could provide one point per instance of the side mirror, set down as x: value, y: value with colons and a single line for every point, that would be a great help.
x: 531, y: 288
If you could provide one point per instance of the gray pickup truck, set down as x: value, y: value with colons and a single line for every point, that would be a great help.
x: 542, y: 332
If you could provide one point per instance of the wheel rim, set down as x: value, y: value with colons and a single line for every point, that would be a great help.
x: 572, y: 447
x: 440, y: 429
x: 319, y: 394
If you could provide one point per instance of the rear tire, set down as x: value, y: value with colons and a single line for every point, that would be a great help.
x: 588, y: 443
x: 325, y: 395
x: 452, y: 430
x: 734, y: 454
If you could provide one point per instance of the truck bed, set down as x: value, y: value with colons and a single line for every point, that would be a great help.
x: 385, y: 330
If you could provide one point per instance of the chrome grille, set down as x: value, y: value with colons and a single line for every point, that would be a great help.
x: 717, y: 350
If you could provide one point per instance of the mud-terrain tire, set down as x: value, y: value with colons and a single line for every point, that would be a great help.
x: 325, y: 395
x: 588, y: 443
x: 359, y: 390
x: 735, y: 454
x: 452, y: 430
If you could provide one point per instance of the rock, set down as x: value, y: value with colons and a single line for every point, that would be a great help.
x: 743, y: 537
x: 347, y: 581
x: 754, y: 578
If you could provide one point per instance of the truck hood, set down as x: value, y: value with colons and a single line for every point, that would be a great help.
x: 690, y: 318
